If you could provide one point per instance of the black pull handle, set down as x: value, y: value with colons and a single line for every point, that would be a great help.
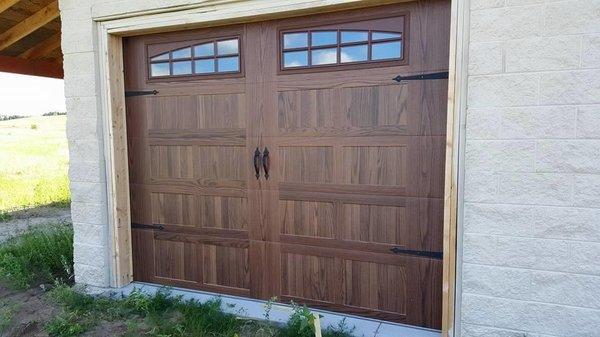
x: 257, y: 163
x: 266, y: 162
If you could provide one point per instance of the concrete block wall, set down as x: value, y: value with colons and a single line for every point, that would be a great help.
x: 531, y: 252
x: 86, y: 149
x: 531, y: 248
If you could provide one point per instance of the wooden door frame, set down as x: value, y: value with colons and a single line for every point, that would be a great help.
x: 111, y: 30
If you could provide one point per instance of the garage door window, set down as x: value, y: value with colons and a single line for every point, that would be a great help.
x: 317, y: 48
x: 208, y: 58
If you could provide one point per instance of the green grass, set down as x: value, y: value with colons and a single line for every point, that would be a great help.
x: 34, y: 157
x: 163, y: 315
x: 39, y: 256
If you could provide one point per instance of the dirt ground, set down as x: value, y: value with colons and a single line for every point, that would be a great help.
x: 30, y: 311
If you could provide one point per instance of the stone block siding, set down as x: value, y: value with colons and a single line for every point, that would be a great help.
x: 532, y: 170
x: 531, y: 263
x: 86, y: 152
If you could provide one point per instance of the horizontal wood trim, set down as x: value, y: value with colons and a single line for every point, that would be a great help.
x: 229, y: 238
x: 349, y: 254
x: 345, y: 189
x: 31, y: 67
x: 382, y: 200
x: 188, y: 189
x: 373, y: 247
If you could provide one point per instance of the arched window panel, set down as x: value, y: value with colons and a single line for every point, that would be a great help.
x: 343, y: 44
x: 219, y: 56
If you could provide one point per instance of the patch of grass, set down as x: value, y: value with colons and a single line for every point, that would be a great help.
x: 301, y: 324
x: 68, y: 324
x: 163, y: 315
x: 7, y: 312
x: 34, y: 164
x: 39, y: 256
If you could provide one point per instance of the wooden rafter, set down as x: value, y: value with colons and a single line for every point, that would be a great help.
x: 6, y: 4
x: 29, y: 25
x: 43, y: 48
x: 17, y: 65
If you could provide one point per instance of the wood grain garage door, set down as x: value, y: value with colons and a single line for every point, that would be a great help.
x: 350, y: 216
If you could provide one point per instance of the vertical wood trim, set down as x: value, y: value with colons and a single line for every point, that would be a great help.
x: 117, y: 164
x: 456, y: 105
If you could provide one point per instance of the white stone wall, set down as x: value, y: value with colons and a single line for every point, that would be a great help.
x: 531, y: 255
x: 531, y: 263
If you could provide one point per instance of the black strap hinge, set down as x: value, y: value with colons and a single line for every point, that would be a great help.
x: 431, y: 76
x: 144, y: 226
x: 140, y: 93
x: 422, y: 253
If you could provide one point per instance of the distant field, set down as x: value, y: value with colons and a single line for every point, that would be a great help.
x: 33, y: 164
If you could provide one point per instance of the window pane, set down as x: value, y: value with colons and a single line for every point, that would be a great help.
x: 227, y: 47
x: 161, y: 57
x: 182, y: 68
x: 384, y: 35
x: 354, y: 36
x: 295, y: 40
x: 160, y: 69
x: 354, y: 53
x: 323, y: 38
x: 204, y: 66
x: 295, y: 59
x: 182, y: 53
x: 386, y: 50
x: 228, y: 64
x: 207, y: 49
x: 324, y: 56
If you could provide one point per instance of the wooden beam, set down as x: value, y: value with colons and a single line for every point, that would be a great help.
x: 118, y: 177
x: 31, y: 67
x: 29, y: 25
x: 43, y: 48
x: 6, y: 4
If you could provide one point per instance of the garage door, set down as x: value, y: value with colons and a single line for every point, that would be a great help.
x: 285, y: 158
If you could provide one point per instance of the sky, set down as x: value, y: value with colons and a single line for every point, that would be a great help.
x: 30, y: 95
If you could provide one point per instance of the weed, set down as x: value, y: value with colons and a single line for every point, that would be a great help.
x: 33, y: 126
x: 7, y: 312
x: 68, y: 324
x: 39, y: 256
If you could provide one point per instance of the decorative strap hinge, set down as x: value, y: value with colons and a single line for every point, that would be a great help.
x: 422, y: 253
x: 423, y: 77
x: 140, y: 93
x: 144, y: 226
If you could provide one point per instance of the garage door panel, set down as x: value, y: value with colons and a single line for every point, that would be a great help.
x: 171, y: 162
x: 176, y: 260
x: 307, y: 218
x: 225, y: 111
x: 222, y: 212
x: 384, y: 221
x: 371, y: 284
x: 173, y: 209
x: 225, y: 266
x: 221, y: 163
x: 172, y: 112
x: 306, y: 164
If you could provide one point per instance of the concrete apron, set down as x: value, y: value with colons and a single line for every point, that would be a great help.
x: 255, y: 309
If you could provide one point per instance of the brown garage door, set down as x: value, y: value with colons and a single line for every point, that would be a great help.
x: 281, y: 159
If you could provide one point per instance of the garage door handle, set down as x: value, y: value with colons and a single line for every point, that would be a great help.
x: 257, y: 157
x: 266, y: 162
